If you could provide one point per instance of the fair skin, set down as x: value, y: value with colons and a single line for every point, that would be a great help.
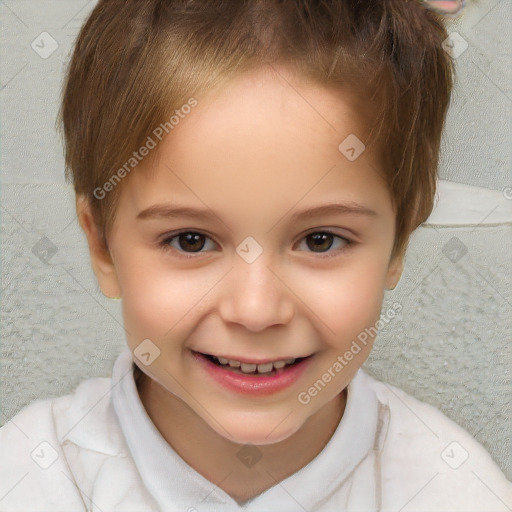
x: 254, y: 153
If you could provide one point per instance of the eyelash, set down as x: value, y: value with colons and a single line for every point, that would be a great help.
x: 165, y: 243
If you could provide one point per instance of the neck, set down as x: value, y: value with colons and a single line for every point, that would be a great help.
x: 216, y: 458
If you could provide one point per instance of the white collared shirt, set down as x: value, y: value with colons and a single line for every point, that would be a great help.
x: 97, y: 450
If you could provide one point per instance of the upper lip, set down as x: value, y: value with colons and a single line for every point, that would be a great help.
x: 255, y: 360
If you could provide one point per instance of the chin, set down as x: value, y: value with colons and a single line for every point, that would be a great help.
x: 266, y: 433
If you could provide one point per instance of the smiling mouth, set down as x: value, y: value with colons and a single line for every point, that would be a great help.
x: 264, y: 369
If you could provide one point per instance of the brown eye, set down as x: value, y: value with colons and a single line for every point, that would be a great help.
x: 320, y: 242
x: 187, y: 242
x: 192, y: 241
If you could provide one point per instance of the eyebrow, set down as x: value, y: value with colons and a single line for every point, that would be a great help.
x: 348, y: 208
x: 165, y: 211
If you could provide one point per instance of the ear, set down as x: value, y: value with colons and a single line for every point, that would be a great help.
x: 395, y: 269
x: 101, y: 260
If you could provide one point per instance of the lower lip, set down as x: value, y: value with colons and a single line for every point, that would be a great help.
x: 256, y: 385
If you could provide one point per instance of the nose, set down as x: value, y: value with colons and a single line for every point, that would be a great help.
x: 256, y: 296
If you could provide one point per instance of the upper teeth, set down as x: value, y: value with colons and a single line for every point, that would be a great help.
x: 252, y: 367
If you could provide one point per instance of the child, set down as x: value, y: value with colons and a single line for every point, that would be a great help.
x: 294, y: 145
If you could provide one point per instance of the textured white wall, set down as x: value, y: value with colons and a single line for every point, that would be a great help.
x: 450, y: 345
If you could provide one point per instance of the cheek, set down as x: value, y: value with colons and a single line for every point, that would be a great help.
x: 148, y: 295
x: 158, y: 302
x: 346, y: 300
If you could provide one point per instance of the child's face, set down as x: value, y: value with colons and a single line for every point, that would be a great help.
x: 263, y: 150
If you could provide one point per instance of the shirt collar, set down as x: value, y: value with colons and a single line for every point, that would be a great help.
x: 177, y: 486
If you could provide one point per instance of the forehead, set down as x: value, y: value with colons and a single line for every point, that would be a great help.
x: 265, y: 137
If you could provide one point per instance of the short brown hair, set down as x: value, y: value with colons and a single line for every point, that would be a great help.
x: 136, y: 61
